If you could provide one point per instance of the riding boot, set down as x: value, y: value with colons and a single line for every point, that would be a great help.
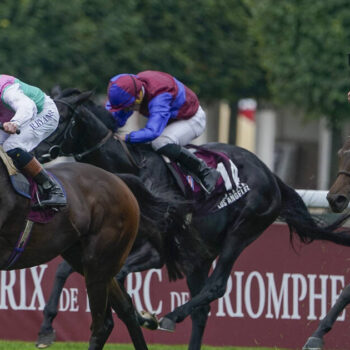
x: 207, y: 176
x: 52, y: 191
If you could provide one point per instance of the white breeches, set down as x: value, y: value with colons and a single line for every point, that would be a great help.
x: 34, y: 131
x: 182, y: 132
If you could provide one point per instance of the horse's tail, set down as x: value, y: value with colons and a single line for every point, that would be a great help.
x: 301, y: 223
x: 163, y: 225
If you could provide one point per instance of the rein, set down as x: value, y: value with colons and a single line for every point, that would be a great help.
x: 79, y: 156
x: 128, y: 154
x: 56, y: 148
x: 68, y: 129
x: 343, y: 172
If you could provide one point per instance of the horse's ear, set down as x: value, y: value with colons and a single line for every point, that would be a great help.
x: 55, y: 91
x: 81, y: 98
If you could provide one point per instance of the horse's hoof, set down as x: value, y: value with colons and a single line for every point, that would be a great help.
x: 313, y: 343
x: 166, y: 324
x: 150, y: 321
x: 45, y: 339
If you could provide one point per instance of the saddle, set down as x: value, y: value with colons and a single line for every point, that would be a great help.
x: 28, y: 188
x: 228, y: 188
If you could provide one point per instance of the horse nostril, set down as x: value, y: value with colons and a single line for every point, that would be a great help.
x: 339, y: 200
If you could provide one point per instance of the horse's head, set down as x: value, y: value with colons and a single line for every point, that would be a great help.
x: 339, y: 194
x: 68, y: 103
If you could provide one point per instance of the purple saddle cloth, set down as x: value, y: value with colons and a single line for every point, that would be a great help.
x: 26, y: 187
x: 228, y: 188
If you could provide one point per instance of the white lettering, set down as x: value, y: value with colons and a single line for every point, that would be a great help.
x: 146, y: 291
x: 247, y: 294
x: 134, y: 290
x: 298, y: 295
x: 335, y: 294
x: 322, y: 296
x: 226, y: 301
x: 38, y: 292
x: 272, y: 297
x: 64, y: 300
x: 74, y: 306
x: 7, y: 290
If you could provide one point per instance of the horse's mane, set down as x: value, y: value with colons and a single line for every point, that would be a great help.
x: 99, y: 111
x: 69, y: 92
x: 102, y: 114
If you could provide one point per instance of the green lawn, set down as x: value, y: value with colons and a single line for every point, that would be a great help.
x: 14, y: 345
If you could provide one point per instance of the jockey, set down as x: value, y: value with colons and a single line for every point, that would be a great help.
x: 27, y: 108
x: 174, y: 115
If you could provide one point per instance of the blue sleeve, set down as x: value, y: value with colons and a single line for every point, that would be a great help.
x: 159, y: 115
x: 121, y: 116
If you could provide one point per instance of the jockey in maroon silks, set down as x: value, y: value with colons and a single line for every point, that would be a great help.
x: 174, y: 115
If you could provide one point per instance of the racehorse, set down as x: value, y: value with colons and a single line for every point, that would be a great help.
x: 338, y: 198
x: 94, y: 233
x: 84, y: 133
x: 151, y: 249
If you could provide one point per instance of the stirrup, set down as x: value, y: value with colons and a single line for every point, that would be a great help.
x: 215, y: 175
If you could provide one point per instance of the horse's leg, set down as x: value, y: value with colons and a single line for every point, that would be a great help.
x: 47, y: 333
x: 98, y: 298
x: 315, y: 342
x: 122, y: 305
x: 108, y: 325
x: 97, y: 277
x: 199, y: 315
x: 141, y: 259
x: 215, y: 285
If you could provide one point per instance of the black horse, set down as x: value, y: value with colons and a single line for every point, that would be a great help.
x: 85, y: 133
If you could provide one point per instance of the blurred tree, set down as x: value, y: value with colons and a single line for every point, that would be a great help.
x: 82, y: 43
x: 303, y: 47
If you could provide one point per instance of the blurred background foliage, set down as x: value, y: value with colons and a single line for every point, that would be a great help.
x: 283, y: 52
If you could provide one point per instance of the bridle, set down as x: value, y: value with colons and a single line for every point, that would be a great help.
x: 67, y: 131
x: 343, y: 172
x: 56, y: 149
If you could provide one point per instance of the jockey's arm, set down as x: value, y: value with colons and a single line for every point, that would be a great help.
x: 159, y: 115
x: 24, y: 108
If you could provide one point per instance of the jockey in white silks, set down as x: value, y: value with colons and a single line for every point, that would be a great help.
x: 28, y: 109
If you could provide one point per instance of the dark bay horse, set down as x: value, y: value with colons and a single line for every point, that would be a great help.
x: 94, y: 233
x: 338, y: 198
x: 84, y: 132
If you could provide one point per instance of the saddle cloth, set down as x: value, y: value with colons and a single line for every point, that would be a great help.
x: 228, y: 188
x: 28, y: 188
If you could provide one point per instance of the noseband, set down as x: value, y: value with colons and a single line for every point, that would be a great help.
x: 343, y: 172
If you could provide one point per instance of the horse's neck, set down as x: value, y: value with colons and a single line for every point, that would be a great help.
x: 155, y: 170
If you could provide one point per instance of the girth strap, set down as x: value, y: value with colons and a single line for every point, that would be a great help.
x: 21, y: 243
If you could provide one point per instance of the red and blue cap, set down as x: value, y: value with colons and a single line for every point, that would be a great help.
x: 123, y: 90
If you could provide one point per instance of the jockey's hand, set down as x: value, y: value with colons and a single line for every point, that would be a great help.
x: 349, y: 96
x: 10, y: 127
